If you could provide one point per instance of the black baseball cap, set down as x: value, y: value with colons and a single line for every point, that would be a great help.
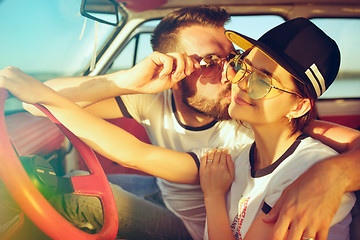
x: 301, y: 48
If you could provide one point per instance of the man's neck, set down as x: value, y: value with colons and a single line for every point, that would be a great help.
x: 188, y: 116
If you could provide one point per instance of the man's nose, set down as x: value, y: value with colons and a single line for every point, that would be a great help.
x: 224, y: 79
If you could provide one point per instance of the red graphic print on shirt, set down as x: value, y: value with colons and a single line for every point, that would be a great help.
x: 239, y: 219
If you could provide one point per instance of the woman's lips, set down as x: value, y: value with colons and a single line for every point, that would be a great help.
x: 240, y: 101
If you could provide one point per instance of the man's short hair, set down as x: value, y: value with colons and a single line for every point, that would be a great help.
x: 165, y: 39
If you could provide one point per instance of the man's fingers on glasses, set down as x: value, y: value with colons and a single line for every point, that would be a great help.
x: 177, y: 65
x: 189, y: 66
x: 179, y: 68
x: 183, y: 65
x: 212, y: 65
x: 164, y: 62
x: 166, y: 68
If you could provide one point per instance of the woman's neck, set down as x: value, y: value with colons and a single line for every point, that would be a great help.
x: 271, y: 143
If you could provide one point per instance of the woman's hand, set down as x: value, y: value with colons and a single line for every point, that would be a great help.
x: 216, y: 173
x: 216, y: 176
x: 23, y: 86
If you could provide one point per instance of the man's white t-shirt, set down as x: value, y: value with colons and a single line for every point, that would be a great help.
x: 156, y: 112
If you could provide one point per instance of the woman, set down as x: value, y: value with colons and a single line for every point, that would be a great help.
x: 275, y: 84
x: 268, y: 92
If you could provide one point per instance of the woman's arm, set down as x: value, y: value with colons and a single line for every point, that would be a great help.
x: 216, y: 176
x: 105, y: 138
x: 125, y: 149
x: 259, y: 229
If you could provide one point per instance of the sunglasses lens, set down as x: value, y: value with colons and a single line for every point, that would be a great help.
x: 232, y: 55
x: 235, y: 71
x: 210, y: 66
x: 258, y: 85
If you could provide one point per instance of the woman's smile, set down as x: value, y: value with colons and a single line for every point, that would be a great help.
x: 240, y: 101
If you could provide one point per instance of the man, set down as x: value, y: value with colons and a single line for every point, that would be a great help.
x: 194, y: 115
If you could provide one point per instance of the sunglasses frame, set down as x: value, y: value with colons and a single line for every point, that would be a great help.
x: 220, y: 62
x: 249, y: 74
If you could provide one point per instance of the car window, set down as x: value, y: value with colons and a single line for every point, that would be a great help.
x: 253, y: 26
x: 139, y: 46
x: 346, y: 33
x: 42, y: 38
x: 136, y: 49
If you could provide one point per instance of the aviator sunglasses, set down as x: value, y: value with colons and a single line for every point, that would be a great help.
x: 212, y: 65
x: 258, y: 84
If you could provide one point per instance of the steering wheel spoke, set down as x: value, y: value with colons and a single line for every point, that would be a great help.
x: 33, y: 203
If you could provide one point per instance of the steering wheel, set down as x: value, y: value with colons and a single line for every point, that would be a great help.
x: 32, y: 202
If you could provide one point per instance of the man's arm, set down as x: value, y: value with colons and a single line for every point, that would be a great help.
x: 154, y: 74
x: 308, y: 205
x: 338, y: 137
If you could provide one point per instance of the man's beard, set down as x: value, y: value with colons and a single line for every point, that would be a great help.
x: 213, y: 108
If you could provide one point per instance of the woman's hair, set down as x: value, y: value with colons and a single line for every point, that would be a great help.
x: 165, y: 36
x: 304, y: 91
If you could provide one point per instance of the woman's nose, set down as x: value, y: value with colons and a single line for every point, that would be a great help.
x: 242, y: 84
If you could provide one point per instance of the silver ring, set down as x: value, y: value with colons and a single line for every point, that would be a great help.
x: 209, y: 160
x: 306, y: 238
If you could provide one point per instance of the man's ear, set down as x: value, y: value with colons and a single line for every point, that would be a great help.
x: 300, y: 108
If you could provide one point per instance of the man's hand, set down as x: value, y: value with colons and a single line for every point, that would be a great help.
x: 307, y: 207
x: 159, y: 72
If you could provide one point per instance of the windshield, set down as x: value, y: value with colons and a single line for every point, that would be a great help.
x: 43, y: 37
x: 47, y: 39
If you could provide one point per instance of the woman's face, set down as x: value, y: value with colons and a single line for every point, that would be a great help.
x: 275, y: 106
